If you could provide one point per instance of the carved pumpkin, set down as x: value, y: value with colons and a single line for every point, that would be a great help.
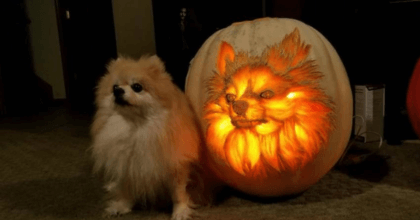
x: 275, y: 105
x: 413, y: 99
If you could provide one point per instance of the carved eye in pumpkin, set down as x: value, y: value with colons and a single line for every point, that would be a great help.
x: 267, y: 94
x: 230, y: 97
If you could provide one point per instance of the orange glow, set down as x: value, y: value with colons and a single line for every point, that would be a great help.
x: 301, y: 134
x: 291, y: 95
x: 231, y: 90
x: 280, y: 105
x: 220, y: 130
x: 260, y: 83
x: 241, y: 81
x: 267, y: 128
x: 242, y: 150
x: 253, y: 148
x: 226, y: 53
x: 269, y: 150
x: 224, y: 125
x: 277, y: 132
x: 235, y: 148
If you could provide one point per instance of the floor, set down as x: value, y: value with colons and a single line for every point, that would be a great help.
x: 45, y: 173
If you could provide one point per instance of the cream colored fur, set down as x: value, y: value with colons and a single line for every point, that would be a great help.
x: 146, y: 148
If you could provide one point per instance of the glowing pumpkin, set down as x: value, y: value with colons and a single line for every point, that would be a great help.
x: 275, y: 105
x: 413, y: 99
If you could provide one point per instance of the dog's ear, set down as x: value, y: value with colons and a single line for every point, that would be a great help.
x: 157, y: 67
x: 157, y: 63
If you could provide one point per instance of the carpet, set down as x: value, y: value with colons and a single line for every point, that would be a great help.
x: 45, y: 174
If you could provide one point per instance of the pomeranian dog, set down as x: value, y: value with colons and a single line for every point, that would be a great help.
x: 146, y: 137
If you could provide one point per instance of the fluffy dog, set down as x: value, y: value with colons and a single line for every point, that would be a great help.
x: 146, y: 137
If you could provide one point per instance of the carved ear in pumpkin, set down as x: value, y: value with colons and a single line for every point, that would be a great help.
x: 226, y: 52
x: 289, y: 53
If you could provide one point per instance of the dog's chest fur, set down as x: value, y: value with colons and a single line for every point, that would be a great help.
x: 133, y: 150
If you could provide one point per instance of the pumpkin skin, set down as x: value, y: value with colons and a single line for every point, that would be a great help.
x: 413, y: 99
x: 275, y: 105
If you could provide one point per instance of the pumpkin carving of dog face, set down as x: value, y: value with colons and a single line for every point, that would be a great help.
x: 267, y: 112
x: 275, y: 105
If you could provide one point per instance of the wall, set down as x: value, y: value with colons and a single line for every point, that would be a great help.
x: 134, y: 27
x: 45, y: 44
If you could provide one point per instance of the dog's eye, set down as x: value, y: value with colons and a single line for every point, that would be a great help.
x: 230, y: 97
x: 137, y: 87
x: 267, y: 94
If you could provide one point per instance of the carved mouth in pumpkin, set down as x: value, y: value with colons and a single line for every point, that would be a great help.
x: 243, y: 123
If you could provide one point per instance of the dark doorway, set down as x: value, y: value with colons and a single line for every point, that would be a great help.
x: 19, y: 93
x: 87, y: 39
x: 182, y: 26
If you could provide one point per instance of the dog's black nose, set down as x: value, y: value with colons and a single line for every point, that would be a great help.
x: 118, y: 92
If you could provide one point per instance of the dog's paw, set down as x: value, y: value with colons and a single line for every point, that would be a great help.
x: 110, y: 186
x: 183, y: 212
x: 117, y: 208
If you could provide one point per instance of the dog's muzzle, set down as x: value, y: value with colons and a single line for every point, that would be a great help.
x: 119, y: 96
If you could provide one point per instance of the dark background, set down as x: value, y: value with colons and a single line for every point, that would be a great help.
x: 377, y: 40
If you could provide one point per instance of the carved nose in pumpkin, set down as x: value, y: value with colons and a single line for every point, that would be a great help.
x: 240, y: 107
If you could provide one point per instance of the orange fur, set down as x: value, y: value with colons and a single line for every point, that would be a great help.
x: 267, y: 113
x: 146, y: 148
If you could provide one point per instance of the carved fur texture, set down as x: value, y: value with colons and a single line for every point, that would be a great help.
x: 267, y: 113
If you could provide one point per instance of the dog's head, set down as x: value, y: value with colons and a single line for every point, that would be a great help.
x: 134, y: 86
